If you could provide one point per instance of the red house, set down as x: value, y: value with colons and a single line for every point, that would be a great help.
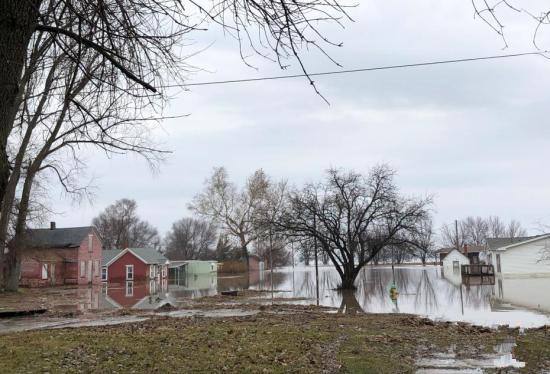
x: 58, y: 256
x: 133, y: 264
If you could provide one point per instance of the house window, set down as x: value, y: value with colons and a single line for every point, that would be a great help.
x: 129, y: 288
x: 90, y: 243
x: 129, y: 272
x: 489, y: 259
x: 82, y: 268
x: 44, y: 271
x: 96, y: 272
x: 456, y: 264
x: 164, y: 271
x: 104, y: 273
x: 498, y: 262
x: 151, y: 271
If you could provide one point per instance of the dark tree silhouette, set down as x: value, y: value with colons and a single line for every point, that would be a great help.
x: 353, y: 217
x: 120, y: 227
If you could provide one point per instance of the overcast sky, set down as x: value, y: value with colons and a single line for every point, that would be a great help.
x: 475, y: 135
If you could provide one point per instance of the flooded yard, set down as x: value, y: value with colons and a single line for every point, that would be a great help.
x: 425, y: 291
x: 277, y: 319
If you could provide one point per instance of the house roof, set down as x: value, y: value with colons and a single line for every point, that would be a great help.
x: 147, y: 255
x: 108, y: 254
x: 445, y: 250
x: 69, y: 237
x: 494, y: 243
x: 457, y: 251
x: 517, y: 241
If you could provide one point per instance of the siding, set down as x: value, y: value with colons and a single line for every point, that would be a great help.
x: 524, y: 292
x: 92, y: 254
x: 67, y: 264
x: 117, y: 270
x: 523, y: 259
x: 455, y: 256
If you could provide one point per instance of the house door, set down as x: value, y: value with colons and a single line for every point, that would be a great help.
x: 89, y: 271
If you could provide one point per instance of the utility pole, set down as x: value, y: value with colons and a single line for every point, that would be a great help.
x: 316, y: 258
x: 271, y: 261
x: 456, y: 233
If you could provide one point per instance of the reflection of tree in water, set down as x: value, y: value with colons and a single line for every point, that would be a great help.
x: 349, y: 304
x: 373, y: 287
x: 426, y: 296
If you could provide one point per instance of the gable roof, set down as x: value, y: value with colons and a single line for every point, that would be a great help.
x: 108, y: 254
x: 494, y: 243
x: 146, y: 255
x: 69, y: 237
x: 525, y: 240
x: 457, y: 251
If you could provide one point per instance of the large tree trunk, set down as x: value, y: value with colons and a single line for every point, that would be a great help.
x: 12, y: 270
x: 12, y: 265
x: 349, y: 304
x: 348, y: 280
x: 17, y: 23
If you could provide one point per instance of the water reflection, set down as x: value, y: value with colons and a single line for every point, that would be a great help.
x: 429, y: 292
x: 426, y: 291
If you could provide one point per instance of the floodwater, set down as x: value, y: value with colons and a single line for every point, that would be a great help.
x: 429, y: 292
x: 425, y: 291
x: 447, y: 362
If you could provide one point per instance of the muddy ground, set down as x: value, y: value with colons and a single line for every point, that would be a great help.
x: 276, y: 338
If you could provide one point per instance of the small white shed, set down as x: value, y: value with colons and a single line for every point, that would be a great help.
x: 455, y: 259
x: 527, y: 257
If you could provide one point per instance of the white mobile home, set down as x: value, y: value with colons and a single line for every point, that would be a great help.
x: 520, y: 256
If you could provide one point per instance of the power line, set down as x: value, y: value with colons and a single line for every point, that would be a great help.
x: 359, y: 70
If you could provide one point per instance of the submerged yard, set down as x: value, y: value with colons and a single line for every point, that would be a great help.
x: 193, y: 328
x: 278, y: 339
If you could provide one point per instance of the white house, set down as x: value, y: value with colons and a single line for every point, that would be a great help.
x: 520, y: 256
x: 454, y: 259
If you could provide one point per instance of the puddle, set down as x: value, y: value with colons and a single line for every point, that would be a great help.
x: 27, y: 324
x: 215, y: 313
x: 501, y: 357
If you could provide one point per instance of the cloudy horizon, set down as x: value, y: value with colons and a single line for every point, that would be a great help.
x: 473, y: 134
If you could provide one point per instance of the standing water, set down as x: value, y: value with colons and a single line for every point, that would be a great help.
x: 425, y: 291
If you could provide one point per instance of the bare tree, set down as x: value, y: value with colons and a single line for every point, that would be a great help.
x: 353, y: 217
x: 270, y: 244
x: 120, y: 227
x: 492, y: 13
x: 234, y: 210
x: 190, y: 239
x: 61, y: 114
x: 475, y: 231
x: 423, y: 241
x: 272, y: 250
x: 514, y: 230
x: 135, y: 38
x: 496, y: 228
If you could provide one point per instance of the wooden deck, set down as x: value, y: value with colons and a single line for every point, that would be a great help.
x: 477, y: 270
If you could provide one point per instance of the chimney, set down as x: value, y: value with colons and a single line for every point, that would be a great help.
x: 465, y: 248
x: 52, y: 225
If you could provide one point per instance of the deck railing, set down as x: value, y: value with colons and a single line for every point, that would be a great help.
x: 477, y: 269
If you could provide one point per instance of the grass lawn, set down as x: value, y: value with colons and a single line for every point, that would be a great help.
x: 304, y: 340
